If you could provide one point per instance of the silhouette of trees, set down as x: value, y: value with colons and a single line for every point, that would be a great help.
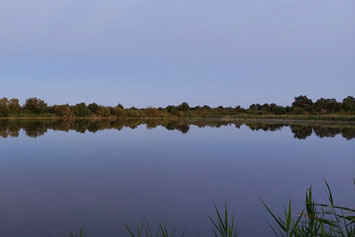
x: 302, y: 105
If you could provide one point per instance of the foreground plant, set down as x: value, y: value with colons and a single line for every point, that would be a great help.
x: 144, y: 231
x: 79, y: 234
x: 316, y: 219
x: 224, y: 227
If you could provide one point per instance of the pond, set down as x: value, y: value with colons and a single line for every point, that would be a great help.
x: 57, y: 176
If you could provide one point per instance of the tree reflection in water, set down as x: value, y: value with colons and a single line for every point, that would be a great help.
x: 300, y: 130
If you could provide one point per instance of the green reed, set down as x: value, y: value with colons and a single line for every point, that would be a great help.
x: 316, y: 219
x: 226, y: 226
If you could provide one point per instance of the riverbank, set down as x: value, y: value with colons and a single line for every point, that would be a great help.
x: 329, y: 118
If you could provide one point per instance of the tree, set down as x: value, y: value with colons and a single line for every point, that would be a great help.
x: 206, y: 107
x: 103, y: 111
x: 239, y: 109
x: 133, y: 112
x: 184, y: 107
x: 4, y: 110
x: 35, y: 106
x: 348, y: 104
x: 119, y: 111
x: 14, y: 105
x: 63, y: 111
x: 93, y: 108
x: 273, y: 108
x: 327, y: 105
x: 265, y: 107
x: 255, y: 107
x: 172, y: 109
x: 298, y: 110
x: 120, y: 106
x: 80, y: 110
x: 280, y: 110
x: 303, y: 102
x: 152, y: 112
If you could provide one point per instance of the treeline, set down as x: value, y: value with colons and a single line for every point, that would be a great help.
x: 302, y: 105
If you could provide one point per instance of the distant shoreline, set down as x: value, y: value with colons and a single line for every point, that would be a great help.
x: 349, y: 119
x: 302, y: 108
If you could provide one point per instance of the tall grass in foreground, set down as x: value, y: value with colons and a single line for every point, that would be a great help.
x: 222, y: 226
x: 79, y: 234
x: 144, y: 231
x: 316, y: 219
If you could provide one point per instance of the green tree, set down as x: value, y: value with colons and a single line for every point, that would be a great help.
x: 152, y: 112
x: 119, y: 111
x: 80, y: 110
x: 184, y: 107
x: 172, y: 109
x: 348, y: 104
x: 266, y: 107
x: 35, y: 106
x: 4, y: 110
x: 327, y: 105
x: 133, y: 112
x: 298, y: 110
x: 14, y: 106
x: 120, y: 106
x: 255, y: 107
x: 280, y: 110
x: 94, y: 108
x: 303, y: 102
x: 63, y: 111
x: 103, y: 111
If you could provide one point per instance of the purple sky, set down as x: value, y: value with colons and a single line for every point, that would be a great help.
x: 158, y: 52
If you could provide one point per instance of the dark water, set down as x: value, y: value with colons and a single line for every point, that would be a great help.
x: 100, y: 175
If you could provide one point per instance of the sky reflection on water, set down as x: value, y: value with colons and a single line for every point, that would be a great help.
x: 64, y: 180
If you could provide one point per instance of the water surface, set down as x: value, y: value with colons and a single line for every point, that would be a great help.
x: 60, y: 175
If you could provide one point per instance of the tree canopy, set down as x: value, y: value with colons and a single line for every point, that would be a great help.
x: 302, y: 105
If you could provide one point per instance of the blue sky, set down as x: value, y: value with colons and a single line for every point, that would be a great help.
x: 158, y: 52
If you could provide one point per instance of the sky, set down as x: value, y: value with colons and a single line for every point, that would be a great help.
x: 158, y: 52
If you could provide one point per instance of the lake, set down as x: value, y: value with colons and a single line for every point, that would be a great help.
x: 57, y: 176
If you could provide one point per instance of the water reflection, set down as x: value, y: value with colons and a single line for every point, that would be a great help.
x: 36, y: 128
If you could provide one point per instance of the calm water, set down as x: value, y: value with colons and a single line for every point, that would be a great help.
x: 56, y: 176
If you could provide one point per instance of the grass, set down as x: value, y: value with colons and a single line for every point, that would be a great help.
x: 144, y: 230
x: 316, y: 219
x: 226, y: 226
x: 300, y: 117
x: 341, y: 117
x: 31, y: 116
x: 79, y: 234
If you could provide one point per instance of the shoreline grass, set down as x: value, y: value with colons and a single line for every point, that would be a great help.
x: 242, y: 117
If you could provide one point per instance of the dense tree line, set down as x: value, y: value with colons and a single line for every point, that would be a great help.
x: 302, y: 105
